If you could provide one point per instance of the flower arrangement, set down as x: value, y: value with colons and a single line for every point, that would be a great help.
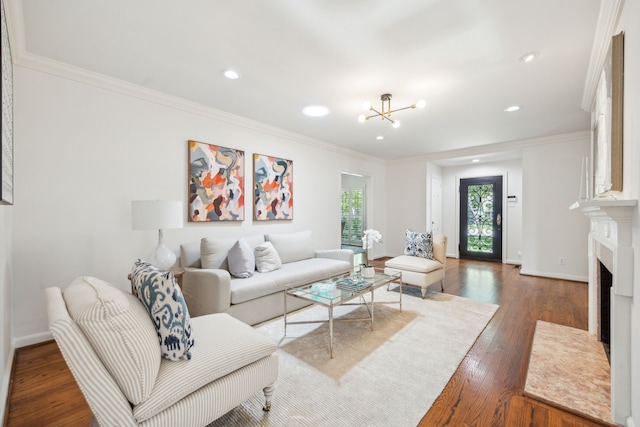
x: 369, y: 237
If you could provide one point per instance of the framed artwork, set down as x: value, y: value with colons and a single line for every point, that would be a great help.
x: 607, y: 122
x: 6, y: 154
x: 216, y: 183
x: 272, y: 188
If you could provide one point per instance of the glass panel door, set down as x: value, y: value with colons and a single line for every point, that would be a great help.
x: 352, y: 216
x: 481, y: 218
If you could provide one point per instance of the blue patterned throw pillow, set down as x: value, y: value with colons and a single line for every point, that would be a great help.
x: 419, y: 244
x: 161, y: 296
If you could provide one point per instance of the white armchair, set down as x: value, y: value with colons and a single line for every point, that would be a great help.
x: 110, y: 344
x: 421, y: 272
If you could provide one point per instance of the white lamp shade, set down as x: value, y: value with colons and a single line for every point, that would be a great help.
x: 156, y: 214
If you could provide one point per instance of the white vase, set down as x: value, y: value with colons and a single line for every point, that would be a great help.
x: 368, y: 272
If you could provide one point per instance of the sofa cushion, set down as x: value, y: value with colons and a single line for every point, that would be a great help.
x: 230, y: 346
x: 242, y: 261
x: 418, y: 244
x: 413, y: 263
x: 293, y: 246
x: 291, y: 274
x: 120, y: 331
x: 214, y: 251
x: 161, y: 296
x: 267, y: 258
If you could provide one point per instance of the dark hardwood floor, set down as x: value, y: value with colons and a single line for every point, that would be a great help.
x: 484, y: 391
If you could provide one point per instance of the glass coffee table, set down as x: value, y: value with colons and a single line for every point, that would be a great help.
x: 341, y: 290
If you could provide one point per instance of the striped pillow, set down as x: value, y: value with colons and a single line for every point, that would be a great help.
x: 119, y: 330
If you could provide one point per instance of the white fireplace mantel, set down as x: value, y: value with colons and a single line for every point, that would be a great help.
x: 610, y: 243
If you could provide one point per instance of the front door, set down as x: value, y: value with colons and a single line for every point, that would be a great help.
x: 481, y: 218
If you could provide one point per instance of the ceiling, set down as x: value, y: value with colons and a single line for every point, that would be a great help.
x: 461, y: 56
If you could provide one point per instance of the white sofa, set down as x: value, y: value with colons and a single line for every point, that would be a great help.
x: 421, y: 272
x: 110, y: 344
x: 260, y: 297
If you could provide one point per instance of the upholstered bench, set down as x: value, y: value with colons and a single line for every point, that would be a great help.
x: 422, y: 272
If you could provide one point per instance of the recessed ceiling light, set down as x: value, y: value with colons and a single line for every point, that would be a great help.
x: 315, y: 111
x: 379, y: 137
x: 528, y: 57
x: 512, y: 108
x: 475, y: 160
x: 231, y: 75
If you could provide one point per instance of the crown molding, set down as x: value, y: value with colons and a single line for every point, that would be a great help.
x: 80, y: 75
x: 21, y: 57
x: 608, y: 17
x: 498, y: 147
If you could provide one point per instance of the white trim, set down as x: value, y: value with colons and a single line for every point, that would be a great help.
x: 497, y: 147
x: 554, y: 275
x: 32, y: 339
x: 513, y: 261
x: 22, y: 58
x: 605, y: 26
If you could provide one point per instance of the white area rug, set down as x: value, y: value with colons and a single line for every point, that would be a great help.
x: 386, y: 377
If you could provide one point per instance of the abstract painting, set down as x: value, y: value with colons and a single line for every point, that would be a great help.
x: 273, y: 188
x: 216, y: 183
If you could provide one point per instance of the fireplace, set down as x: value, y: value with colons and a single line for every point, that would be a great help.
x: 611, y: 291
x: 605, y: 281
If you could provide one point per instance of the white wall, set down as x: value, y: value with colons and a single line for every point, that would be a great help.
x: 551, y: 183
x: 511, y: 170
x: 82, y: 154
x: 405, y: 203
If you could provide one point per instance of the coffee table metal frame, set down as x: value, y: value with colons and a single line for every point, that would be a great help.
x: 334, y: 292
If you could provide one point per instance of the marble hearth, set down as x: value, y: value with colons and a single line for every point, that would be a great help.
x: 610, y: 245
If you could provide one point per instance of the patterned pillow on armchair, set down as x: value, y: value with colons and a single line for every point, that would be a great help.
x: 419, y: 244
x: 161, y: 296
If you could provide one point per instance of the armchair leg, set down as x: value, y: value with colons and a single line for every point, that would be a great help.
x: 424, y: 292
x: 442, y: 285
x: 268, y: 392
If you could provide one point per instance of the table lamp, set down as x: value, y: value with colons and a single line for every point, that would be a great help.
x: 157, y: 215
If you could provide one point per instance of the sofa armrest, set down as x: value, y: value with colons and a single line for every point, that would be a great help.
x: 339, y: 254
x: 206, y: 291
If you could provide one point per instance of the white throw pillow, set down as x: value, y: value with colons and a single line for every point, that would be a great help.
x: 267, y: 258
x: 242, y: 261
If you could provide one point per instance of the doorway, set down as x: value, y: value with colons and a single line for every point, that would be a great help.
x: 481, y: 218
x: 352, y: 220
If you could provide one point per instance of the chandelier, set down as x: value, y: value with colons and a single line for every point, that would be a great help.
x: 385, y: 114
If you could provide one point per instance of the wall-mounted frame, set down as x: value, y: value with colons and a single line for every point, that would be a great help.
x: 273, y: 188
x: 6, y: 153
x: 607, y: 122
x: 216, y: 183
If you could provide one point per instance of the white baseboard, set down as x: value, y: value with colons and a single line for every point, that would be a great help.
x: 513, y: 261
x: 32, y: 339
x: 554, y: 275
